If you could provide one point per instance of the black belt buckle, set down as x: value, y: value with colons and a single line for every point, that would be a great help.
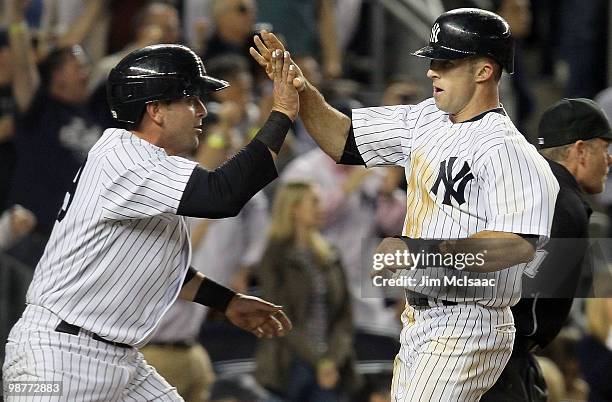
x: 67, y: 328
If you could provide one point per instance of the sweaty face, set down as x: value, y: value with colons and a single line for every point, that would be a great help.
x: 182, y: 125
x: 453, y: 84
x: 597, y: 163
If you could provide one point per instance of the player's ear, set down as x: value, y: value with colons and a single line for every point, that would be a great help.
x: 484, y: 69
x: 154, y: 111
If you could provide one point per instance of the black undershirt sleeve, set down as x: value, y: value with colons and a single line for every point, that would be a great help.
x: 351, y: 155
x: 222, y: 192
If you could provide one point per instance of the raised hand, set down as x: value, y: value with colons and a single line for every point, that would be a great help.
x: 257, y: 316
x: 263, y: 56
x: 285, y: 96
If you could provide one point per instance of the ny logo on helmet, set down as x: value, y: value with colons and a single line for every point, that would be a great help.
x: 445, y: 176
x: 435, y: 30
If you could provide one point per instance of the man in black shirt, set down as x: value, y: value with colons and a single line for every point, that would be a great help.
x: 54, y: 128
x: 574, y: 135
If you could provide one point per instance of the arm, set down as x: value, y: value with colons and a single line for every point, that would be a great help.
x: 224, y: 191
x: 26, y: 80
x: 327, y: 126
x: 329, y: 39
x: 500, y: 249
x: 252, y: 314
x: 83, y: 24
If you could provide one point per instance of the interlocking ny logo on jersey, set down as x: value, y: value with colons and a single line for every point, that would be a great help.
x: 445, y: 176
x: 435, y: 30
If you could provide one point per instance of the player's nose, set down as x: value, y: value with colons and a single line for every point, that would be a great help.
x: 201, y: 111
x: 431, y: 73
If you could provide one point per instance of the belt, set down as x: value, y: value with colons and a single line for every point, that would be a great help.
x: 417, y: 300
x: 66, y: 328
x: 186, y: 344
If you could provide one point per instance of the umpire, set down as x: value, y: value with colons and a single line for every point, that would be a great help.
x: 574, y: 135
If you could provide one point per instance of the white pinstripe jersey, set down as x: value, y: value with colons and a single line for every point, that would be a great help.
x: 118, y: 254
x: 463, y: 178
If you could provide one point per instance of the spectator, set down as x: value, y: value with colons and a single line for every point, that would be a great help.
x: 595, y: 349
x: 54, y: 128
x: 238, y: 114
x: 234, y: 22
x: 177, y: 355
x: 359, y: 206
x: 302, y: 271
x: 157, y: 22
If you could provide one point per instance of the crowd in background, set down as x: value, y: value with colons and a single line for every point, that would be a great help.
x: 301, y: 242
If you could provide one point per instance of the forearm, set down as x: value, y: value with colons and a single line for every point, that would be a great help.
x: 328, y: 34
x: 326, y: 125
x: 192, y: 282
x: 199, y: 289
x: 223, y: 192
x: 25, y: 79
x: 501, y: 250
x: 484, y: 251
x: 83, y: 25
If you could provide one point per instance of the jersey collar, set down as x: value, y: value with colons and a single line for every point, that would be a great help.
x: 499, y: 110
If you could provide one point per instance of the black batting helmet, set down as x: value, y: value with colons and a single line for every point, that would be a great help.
x: 466, y: 32
x: 155, y: 73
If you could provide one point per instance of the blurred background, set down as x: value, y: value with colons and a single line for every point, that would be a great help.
x: 53, y: 70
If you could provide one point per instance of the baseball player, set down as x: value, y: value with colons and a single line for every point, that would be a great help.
x: 119, y: 253
x: 471, y: 177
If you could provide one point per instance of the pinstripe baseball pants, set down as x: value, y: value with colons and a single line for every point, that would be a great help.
x: 88, y: 370
x: 451, y: 353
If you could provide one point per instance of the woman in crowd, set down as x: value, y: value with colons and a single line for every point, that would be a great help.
x: 302, y: 271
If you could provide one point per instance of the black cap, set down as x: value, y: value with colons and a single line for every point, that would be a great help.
x: 570, y: 120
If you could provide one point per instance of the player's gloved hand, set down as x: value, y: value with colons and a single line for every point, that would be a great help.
x: 261, y: 318
x: 285, y: 97
x: 263, y: 56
